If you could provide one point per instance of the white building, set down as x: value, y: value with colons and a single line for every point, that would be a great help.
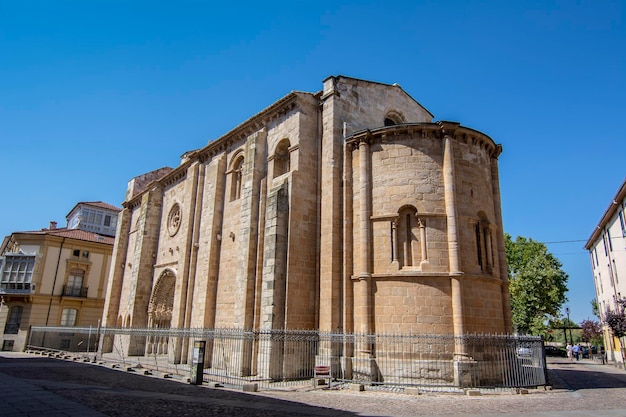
x: 607, y: 250
x: 96, y: 216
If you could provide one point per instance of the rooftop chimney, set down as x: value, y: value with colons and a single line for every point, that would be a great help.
x: 53, y: 225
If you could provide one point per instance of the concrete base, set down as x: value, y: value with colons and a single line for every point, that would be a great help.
x: 356, y: 387
x: 250, y: 387
x: 464, y: 371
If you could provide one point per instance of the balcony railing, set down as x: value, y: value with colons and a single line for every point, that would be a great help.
x: 75, y: 291
x: 17, y: 288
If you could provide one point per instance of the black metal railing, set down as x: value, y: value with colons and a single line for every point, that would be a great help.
x: 69, y: 291
x: 275, y: 358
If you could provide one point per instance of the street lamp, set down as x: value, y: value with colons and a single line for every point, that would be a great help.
x: 568, y: 326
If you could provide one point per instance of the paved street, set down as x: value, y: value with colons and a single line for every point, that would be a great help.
x: 37, y: 386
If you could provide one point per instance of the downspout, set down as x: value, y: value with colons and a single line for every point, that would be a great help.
x: 54, y: 282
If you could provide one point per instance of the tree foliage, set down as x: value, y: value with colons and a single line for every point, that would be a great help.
x: 594, y: 308
x: 591, y: 331
x: 537, y: 284
x: 616, y: 319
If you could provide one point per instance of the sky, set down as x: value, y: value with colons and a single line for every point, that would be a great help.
x: 94, y: 93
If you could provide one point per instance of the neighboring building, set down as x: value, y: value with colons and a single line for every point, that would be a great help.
x: 54, y: 277
x: 343, y: 210
x: 607, y: 250
x: 96, y: 216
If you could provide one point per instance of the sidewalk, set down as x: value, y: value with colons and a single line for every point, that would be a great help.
x: 21, y: 399
x: 31, y: 385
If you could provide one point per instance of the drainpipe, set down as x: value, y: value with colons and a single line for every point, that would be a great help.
x: 54, y: 282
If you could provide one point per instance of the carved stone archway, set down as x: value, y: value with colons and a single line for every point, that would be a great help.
x: 160, y: 311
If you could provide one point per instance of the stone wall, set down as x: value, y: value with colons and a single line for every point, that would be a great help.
x: 345, y: 210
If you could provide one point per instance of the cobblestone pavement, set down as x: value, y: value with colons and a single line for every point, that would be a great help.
x: 63, y: 388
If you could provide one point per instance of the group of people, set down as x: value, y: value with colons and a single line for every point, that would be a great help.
x: 574, y: 351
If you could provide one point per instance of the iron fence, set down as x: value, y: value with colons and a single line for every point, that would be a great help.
x: 274, y: 359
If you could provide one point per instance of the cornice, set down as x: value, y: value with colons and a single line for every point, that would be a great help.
x: 257, y: 122
x: 223, y: 144
x: 438, y: 130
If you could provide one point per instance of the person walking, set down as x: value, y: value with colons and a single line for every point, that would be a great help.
x: 576, y: 350
x: 569, y: 351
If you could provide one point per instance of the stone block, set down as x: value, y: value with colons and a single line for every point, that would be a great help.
x: 252, y: 387
x: 356, y: 387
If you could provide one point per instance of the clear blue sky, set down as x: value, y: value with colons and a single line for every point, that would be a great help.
x: 93, y: 93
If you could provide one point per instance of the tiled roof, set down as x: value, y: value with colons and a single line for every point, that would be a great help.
x: 75, y: 234
x: 99, y: 204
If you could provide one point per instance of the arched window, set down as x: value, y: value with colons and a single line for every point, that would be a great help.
x: 282, y: 160
x: 236, y: 178
x: 393, y: 118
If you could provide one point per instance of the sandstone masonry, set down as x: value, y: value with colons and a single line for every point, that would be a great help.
x: 344, y: 210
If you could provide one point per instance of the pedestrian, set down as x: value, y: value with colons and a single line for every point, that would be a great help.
x: 569, y: 351
x: 576, y: 350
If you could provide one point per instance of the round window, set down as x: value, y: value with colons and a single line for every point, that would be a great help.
x: 173, y: 219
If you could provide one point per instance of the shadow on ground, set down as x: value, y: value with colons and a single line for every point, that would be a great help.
x: 120, y: 393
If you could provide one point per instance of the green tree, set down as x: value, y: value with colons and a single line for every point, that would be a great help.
x: 537, y: 284
x: 594, y: 308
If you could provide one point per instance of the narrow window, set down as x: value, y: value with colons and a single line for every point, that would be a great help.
x: 593, y: 264
x: 236, y: 179
x: 479, y: 246
x: 408, y: 258
x: 74, y: 286
x: 107, y: 220
x: 13, y: 322
x: 282, y: 158
x: 68, y: 317
x: 608, y: 237
x: 406, y: 234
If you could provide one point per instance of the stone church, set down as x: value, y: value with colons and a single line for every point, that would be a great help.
x: 344, y: 210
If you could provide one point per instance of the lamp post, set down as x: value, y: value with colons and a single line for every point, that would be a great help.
x: 568, y: 326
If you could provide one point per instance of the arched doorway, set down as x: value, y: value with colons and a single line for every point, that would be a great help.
x: 160, y: 312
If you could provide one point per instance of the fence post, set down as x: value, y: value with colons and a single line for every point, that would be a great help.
x: 88, y: 341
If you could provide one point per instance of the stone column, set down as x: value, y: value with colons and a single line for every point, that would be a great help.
x: 394, y: 241
x: 453, y: 239
x: 348, y: 265
x: 500, y: 265
x: 116, y: 277
x: 363, y: 290
x: 422, y: 227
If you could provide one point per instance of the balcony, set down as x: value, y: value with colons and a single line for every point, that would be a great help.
x: 75, y: 291
x: 17, y: 288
